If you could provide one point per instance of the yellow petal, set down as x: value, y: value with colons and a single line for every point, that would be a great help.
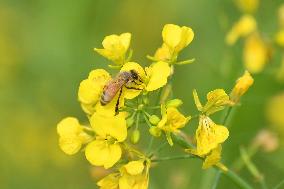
x: 176, y: 119
x: 163, y: 53
x: 114, y: 126
x: 109, y: 182
x: 125, y: 39
x: 70, y: 145
x: 279, y: 38
x: 134, y: 167
x: 68, y: 127
x: 209, y: 135
x: 158, y: 74
x: 247, y: 6
x: 187, y: 36
x: 171, y: 35
x: 100, y: 153
x: 90, y: 89
x: 126, y: 182
x: 213, y: 158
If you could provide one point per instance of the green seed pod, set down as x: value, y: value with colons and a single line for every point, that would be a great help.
x: 154, y: 119
x: 135, y: 137
x: 174, y: 103
x: 155, y: 131
x: 129, y: 122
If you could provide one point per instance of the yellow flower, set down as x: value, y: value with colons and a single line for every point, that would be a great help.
x: 241, y: 87
x: 247, y: 6
x: 109, y: 182
x: 255, y: 54
x: 209, y: 135
x: 71, y: 135
x: 176, y: 38
x: 216, y: 100
x: 275, y: 112
x: 172, y: 120
x: 105, y: 150
x: 245, y: 26
x: 90, y: 89
x: 133, y: 175
x: 279, y: 38
x: 115, y: 47
x: 157, y: 75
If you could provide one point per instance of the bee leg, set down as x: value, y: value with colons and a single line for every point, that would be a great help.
x: 138, y: 89
x: 117, y: 102
x: 137, y: 83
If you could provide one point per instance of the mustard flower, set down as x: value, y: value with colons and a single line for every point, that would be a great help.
x: 175, y: 39
x: 106, y: 150
x: 241, y: 87
x: 90, y: 89
x: 245, y: 26
x: 216, y: 100
x: 213, y: 158
x: 247, y: 6
x: 255, y: 53
x: 172, y: 120
x: 133, y: 175
x: 71, y: 135
x: 115, y: 47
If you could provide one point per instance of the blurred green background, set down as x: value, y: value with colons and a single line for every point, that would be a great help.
x: 46, y: 50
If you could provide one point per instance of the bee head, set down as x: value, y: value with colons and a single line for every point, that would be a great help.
x: 134, y: 74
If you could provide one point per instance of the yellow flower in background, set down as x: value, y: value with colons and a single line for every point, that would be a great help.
x: 280, y: 71
x: 115, y: 47
x: 90, y: 89
x: 216, y: 100
x: 275, y: 112
x: 241, y: 87
x: 157, y: 75
x: 247, y: 6
x: 279, y: 38
x: 71, y: 135
x: 209, y: 135
x: 172, y: 120
x: 281, y: 16
x: 177, y: 38
x: 245, y: 26
x: 255, y: 53
x: 105, y: 150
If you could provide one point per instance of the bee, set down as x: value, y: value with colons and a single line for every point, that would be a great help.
x: 114, y: 86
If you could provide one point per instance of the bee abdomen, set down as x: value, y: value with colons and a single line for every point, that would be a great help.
x: 105, y: 99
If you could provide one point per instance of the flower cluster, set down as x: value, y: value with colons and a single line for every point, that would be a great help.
x: 117, y: 106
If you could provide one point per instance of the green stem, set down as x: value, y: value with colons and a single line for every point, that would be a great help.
x: 237, y: 180
x: 173, y: 158
x: 281, y: 183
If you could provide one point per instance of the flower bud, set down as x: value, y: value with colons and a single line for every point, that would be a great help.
x: 155, y: 131
x: 154, y: 119
x: 135, y: 136
x: 174, y: 103
x: 129, y: 122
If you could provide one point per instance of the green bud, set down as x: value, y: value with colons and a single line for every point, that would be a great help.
x: 155, y: 131
x: 135, y: 136
x: 140, y: 106
x: 145, y: 100
x: 154, y: 119
x: 174, y: 103
x: 129, y: 122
